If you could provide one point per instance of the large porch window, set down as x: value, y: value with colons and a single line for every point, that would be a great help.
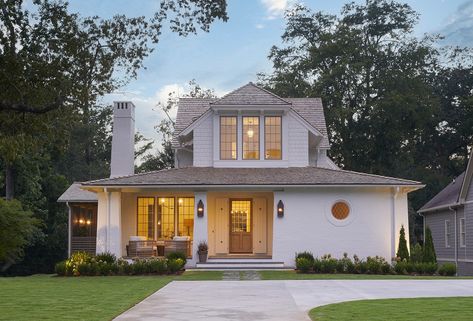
x: 165, y: 220
x: 83, y: 227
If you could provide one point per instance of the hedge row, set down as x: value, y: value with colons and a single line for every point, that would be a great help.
x: 306, y: 263
x: 83, y: 264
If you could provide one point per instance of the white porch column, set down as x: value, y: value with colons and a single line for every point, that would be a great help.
x: 115, y: 224
x: 200, y: 226
x: 109, y: 223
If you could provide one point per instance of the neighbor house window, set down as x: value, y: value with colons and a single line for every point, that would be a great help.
x: 340, y: 210
x: 185, y: 216
x: 228, y: 137
x: 447, y: 233
x: 166, y: 219
x: 145, y: 219
x: 462, y: 233
x: 251, y: 137
x: 272, y: 137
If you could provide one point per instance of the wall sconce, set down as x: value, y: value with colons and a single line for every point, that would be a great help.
x: 200, y: 209
x: 280, y: 209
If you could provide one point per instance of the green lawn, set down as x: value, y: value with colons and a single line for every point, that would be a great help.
x: 421, y: 309
x: 293, y: 275
x: 46, y: 297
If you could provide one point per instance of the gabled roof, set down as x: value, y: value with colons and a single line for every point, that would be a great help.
x: 233, y: 177
x: 310, y: 109
x: 446, y: 197
x: 454, y: 193
x: 75, y: 194
x: 250, y: 94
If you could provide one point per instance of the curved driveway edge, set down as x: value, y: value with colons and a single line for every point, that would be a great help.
x: 277, y: 300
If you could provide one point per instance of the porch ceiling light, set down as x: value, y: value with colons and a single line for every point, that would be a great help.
x: 280, y: 209
x: 200, y: 209
x: 250, y: 133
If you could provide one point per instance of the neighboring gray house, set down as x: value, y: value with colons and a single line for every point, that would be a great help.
x: 449, y: 214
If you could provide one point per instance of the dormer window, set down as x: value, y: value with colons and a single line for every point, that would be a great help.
x: 272, y: 137
x: 228, y: 137
x: 250, y: 137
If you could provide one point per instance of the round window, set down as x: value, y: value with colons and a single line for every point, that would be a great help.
x: 340, y: 210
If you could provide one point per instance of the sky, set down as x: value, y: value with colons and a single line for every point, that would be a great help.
x: 232, y: 53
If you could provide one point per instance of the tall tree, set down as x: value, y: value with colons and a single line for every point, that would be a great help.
x: 395, y: 105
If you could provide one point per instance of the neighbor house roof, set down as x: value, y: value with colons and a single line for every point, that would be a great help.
x: 310, y: 109
x: 75, y: 194
x: 446, y: 197
x: 210, y: 176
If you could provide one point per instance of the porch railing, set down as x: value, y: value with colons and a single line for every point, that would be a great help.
x: 150, y: 248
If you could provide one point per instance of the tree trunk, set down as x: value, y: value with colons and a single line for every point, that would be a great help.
x: 9, y: 181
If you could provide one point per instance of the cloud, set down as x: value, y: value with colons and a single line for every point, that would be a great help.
x: 275, y: 8
x: 459, y: 28
x: 259, y: 26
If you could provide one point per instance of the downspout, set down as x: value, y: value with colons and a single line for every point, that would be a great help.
x: 69, y: 230
x: 395, y: 191
x: 456, y: 241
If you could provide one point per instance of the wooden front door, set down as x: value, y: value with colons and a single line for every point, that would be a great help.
x: 241, y: 240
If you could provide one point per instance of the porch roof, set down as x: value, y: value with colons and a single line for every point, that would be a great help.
x: 75, y: 194
x: 210, y: 176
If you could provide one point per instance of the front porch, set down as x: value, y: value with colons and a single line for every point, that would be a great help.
x: 139, y: 223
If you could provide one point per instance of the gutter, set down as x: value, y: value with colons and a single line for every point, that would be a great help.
x: 69, y: 230
x: 108, y: 217
x: 395, y: 192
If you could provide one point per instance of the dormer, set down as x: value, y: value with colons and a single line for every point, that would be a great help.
x: 251, y: 127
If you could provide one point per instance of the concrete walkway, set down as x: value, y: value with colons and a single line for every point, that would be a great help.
x: 276, y: 300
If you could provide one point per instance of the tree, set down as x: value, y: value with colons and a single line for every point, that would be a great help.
x: 18, y: 229
x: 402, y: 251
x: 54, y: 65
x: 164, y: 158
x: 395, y: 105
x: 429, y: 249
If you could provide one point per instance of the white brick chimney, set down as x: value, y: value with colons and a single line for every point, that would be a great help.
x: 123, y: 139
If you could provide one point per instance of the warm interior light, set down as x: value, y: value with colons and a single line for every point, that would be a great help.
x: 180, y: 201
x: 280, y: 209
x: 89, y: 222
x: 159, y: 222
x: 162, y: 201
x: 250, y: 133
x: 81, y: 221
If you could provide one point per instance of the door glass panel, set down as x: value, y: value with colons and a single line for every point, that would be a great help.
x: 165, y: 217
x: 241, y: 216
x: 185, y: 208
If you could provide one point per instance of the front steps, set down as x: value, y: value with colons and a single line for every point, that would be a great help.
x: 240, y: 264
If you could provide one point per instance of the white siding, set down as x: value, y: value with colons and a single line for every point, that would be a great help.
x: 306, y: 224
x: 203, y: 142
x: 298, y: 143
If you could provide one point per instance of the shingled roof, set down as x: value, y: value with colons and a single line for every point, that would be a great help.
x: 446, y: 197
x: 209, y: 176
x: 75, y: 194
x: 310, y: 109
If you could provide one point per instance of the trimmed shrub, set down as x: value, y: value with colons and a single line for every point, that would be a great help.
x: 158, y: 266
x: 305, y: 254
x: 177, y: 255
x: 345, y: 265
x: 317, y: 266
x: 124, y: 268
x: 402, y: 267
x: 416, y: 253
x: 448, y: 269
x: 329, y: 264
x: 429, y: 249
x: 175, y: 265
x: 402, y: 251
x: 304, y: 265
x: 76, y: 259
x: 106, y: 257
x: 138, y: 267
x: 60, y: 268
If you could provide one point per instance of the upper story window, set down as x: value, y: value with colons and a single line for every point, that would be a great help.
x: 272, y: 137
x: 251, y: 137
x: 228, y: 137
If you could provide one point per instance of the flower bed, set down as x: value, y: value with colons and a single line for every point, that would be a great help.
x: 306, y: 263
x: 83, y: 264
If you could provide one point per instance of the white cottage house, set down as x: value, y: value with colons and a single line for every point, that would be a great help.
x: 252, y: 179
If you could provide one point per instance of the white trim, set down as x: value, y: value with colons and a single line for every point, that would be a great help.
x: 441, y: 207
x: 195, y: 123
x: 462, y: 232
x: 69, y: 229
x: 447, y: 233
x: 246, y: 186
x: 305, y: 123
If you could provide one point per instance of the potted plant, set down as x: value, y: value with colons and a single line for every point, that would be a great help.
x: 202, y: 250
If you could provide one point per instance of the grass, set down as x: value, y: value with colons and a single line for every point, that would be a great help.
x: 293, y: 275
x: 47, y: 297
x: 419, y: 309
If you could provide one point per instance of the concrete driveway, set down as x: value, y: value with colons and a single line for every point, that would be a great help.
x: 276, y: 300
